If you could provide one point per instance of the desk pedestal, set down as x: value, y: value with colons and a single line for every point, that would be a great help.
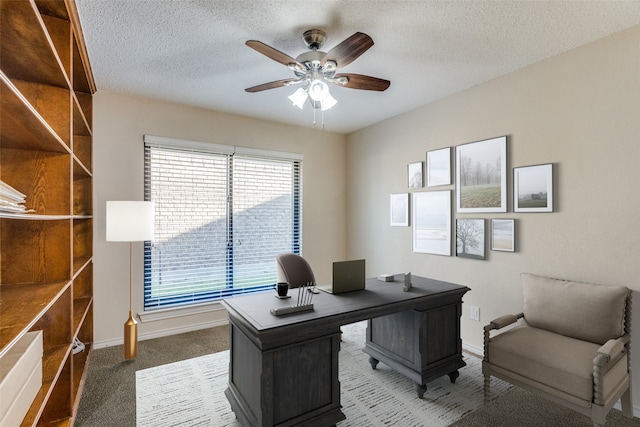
x: 283, y: 370
x: 422, y: 345
x: 290, y: 385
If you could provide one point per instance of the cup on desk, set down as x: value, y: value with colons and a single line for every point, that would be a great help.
x: 282, y: 288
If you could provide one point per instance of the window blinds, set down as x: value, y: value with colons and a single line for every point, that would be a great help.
x: 223, y: 214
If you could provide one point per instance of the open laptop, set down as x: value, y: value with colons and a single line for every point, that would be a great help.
x: 347, y: 276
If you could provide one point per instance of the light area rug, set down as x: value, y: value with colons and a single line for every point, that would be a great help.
x: 191, y: 392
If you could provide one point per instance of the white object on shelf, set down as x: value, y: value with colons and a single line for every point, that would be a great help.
x: 20, y: 378
x: 78, y: 346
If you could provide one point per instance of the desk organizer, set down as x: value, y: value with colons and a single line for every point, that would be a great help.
x: 303, y: 302
x: 281, y: 311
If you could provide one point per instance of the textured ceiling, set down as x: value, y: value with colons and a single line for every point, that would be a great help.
x: 193, y: 52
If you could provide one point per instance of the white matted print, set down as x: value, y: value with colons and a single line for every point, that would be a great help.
x: 533, y: 188
x: 503, y: 235
x: 432, y: 222
x: 439, y: 167
x: 481, y: 176
x: 399, y: 209
x: 414, y: 175
x: 470, y: 238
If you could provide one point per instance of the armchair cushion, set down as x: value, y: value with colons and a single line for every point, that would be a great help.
x: 583, y: 311
x: 561, y: 363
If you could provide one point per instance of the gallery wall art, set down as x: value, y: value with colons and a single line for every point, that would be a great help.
x: 481, y: 176
x: 533, y: 188
x: 470, y: 238
x: 432, y: 222
x: 399, y: 210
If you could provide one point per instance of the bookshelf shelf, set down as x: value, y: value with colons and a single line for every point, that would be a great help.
x: 46, y: 249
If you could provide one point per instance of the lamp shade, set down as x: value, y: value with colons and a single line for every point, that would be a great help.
x: 298, y: 97
x: 130, y: 221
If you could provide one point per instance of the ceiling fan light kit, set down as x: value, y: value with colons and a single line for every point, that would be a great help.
x: 314, y: 69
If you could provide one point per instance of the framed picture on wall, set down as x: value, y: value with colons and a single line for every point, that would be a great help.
x: 533, y: 188
x: 481, y: 176
x: 399, y: 209
x: 432, y: 222
x: 414, y: 172
x: 470, y: 238
x: 503, y: 235
x: 439, y: 167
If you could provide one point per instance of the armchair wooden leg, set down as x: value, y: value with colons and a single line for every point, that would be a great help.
x: 487, y: 388
x: 627, y: 405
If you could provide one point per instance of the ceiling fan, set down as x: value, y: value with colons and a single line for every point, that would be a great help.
x: 314, y: 69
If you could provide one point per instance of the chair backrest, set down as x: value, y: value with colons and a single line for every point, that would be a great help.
x: 294, y: 270
x: 584, y: 311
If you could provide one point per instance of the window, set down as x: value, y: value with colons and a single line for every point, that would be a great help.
x: 223, y: 214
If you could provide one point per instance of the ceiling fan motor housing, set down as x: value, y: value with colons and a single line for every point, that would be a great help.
x: 314, y: 39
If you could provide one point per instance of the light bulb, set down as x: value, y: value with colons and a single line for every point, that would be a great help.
x: 318, y: 90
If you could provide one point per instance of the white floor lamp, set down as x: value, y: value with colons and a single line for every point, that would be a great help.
x: 130, y: 221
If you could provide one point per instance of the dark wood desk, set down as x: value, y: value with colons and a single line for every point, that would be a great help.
x: 283, y: 371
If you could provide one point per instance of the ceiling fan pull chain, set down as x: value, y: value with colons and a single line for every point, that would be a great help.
x: 314, y: 118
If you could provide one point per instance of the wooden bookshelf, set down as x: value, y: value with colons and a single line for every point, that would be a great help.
x: 46, y: 256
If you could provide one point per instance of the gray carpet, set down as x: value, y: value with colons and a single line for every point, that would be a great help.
x: 109, y: 393
x: 191, y: 393
x: 523, y: 409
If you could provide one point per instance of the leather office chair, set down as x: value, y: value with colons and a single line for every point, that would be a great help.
x: 294, y: 270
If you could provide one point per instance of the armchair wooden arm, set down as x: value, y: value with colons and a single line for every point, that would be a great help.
x: 498, y: 323
x: 607, y: 355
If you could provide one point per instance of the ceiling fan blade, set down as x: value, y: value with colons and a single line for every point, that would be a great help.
x: 349, y: 50
x: 270, y: 85
x: 272, y: 53
x: 359, y: 81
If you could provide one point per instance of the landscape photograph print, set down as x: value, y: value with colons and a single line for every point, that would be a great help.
x: 481, y: 174
x: 399, y: 209
x: 439, y: 167
x: 470, y: 240
x: 503, y: 235
x: 414, y: 175
x: 533, y: 188
x: 432, y: 222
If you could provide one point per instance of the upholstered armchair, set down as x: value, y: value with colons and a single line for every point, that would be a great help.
x: 570, y: 344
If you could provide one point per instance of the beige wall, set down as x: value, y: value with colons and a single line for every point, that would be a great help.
x: 119, y: 125
x: 580, y: 111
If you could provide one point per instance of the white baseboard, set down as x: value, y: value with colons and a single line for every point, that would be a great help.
x: 163, y: 333
x: 478, y: 351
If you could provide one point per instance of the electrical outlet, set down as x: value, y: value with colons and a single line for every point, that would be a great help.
x: 474, y: 313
